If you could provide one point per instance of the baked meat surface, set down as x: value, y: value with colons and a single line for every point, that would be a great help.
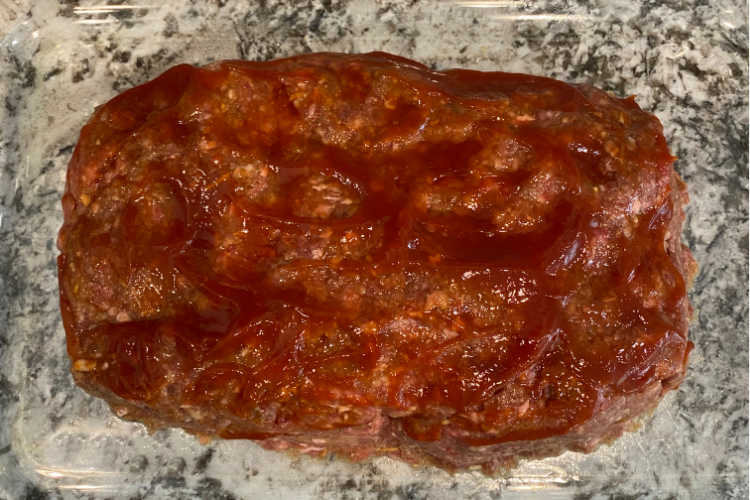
x: 356, y: 254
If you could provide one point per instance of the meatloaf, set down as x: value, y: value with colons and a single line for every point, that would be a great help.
x: 355, y: 254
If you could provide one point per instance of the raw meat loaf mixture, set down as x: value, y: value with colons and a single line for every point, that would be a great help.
x: 355, y: 254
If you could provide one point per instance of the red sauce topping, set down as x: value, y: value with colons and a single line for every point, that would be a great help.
x: 487, y: 252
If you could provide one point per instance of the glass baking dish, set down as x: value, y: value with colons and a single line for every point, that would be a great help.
x: 63, y: 59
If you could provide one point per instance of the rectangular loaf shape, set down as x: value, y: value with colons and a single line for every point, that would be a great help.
x: 357, y: 254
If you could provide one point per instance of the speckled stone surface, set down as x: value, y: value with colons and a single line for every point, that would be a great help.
x: 686, y: 61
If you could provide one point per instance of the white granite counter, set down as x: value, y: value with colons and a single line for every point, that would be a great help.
x: 686, y: 61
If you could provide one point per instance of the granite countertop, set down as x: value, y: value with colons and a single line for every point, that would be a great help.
x: 686, y: 61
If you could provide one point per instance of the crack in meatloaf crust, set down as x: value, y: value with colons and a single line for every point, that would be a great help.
x: 356, y: 254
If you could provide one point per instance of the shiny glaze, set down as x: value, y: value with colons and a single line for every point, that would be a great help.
x: 476, y: 253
